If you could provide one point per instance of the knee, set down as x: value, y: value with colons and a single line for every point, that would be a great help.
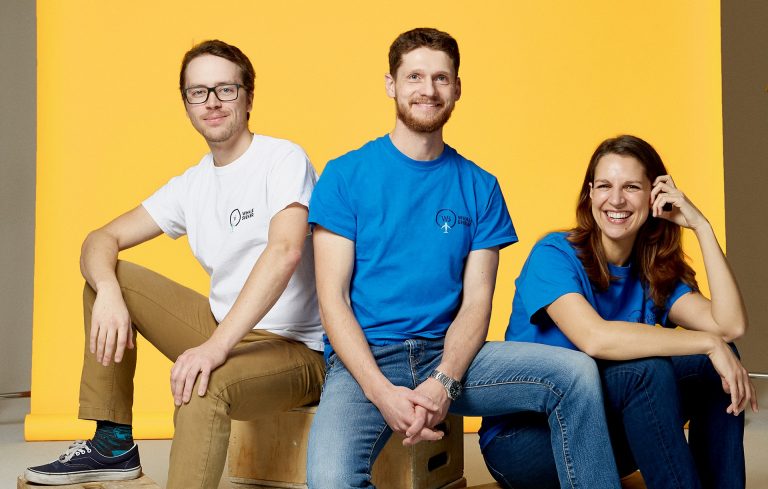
x: 624, y: 379
x: 330, y: 476
x: 582, y: 372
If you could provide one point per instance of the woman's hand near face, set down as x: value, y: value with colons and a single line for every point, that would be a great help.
x: 683, y: 212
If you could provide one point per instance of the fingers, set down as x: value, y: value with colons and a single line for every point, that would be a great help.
x: 423, y: 401
x: 100, y: 341
x: 419, y: 420
x: 753, y: 400
x: 122, y: 340
x: 205, y: 374
x: 426, y: 434
x: 94, y: 337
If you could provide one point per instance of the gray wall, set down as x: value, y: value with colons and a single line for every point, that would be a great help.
x: 745, y: 134
x: 17, y: 189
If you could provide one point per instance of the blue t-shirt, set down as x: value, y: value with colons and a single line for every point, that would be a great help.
x: 413, y: 224
x: 552, y: 270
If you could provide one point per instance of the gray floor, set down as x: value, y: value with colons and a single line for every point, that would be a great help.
x: 16, y: 454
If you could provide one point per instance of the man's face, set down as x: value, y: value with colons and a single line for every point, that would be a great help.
x: 425, y: 89
x: 217, y: 121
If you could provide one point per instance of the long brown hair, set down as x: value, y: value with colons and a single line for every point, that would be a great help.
x: 657, y: 252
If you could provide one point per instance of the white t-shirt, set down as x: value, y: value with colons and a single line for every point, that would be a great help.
x: 225, y: 212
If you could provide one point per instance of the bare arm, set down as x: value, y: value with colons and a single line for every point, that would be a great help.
x: 620, y: 340
x: 334, y: 263
x: 465, y: 335
x: 110, y: 322
x: 263, y: 287
x: 725, y: 315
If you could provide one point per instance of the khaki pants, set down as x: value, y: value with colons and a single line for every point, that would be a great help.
x: 264, y: 374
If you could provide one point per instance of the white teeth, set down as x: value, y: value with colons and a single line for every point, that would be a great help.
x: 618, y: 215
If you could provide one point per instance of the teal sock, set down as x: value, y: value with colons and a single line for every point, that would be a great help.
x: 112, y: 439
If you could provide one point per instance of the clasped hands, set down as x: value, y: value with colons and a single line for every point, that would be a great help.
x: 414, y: 413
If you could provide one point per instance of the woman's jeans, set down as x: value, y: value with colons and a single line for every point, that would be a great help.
x: 505, y: 377
x: 647, y: 402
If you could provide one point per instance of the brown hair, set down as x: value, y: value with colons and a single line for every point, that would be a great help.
x: 222, y: 50
x: 423, y: 37
x: 657, y: 251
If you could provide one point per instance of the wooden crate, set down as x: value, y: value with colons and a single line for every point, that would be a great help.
x: 272, y: 452
x: 142, y: 482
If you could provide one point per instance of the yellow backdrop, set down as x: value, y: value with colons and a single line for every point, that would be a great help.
x: 543, y: 83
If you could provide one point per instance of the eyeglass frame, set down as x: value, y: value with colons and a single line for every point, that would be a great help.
x: 211, y: 89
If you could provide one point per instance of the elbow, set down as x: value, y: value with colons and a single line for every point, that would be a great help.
x: 290, y: 257
x: 735, y: 331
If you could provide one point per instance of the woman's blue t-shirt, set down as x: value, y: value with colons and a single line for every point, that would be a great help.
x: 552, y: 270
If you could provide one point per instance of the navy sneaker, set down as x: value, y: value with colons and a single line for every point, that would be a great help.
x: 82, y: 463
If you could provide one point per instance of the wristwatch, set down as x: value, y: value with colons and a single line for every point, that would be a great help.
x: 452, y: 386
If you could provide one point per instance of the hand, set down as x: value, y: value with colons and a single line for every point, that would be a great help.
x: 111, y: 330
x: 734, y: 377
x: 201, y: 360
x: 683, y: 212
x: 400, y: 407
x: 425, y: 421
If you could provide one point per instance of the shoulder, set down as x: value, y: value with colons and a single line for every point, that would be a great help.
x: 352, y: 161
x: 555, y: 245
x: 469, y: 167
x: 276, y: 147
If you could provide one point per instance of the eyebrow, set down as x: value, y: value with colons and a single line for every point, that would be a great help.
x: 199, y: 85
x: 640, y: 182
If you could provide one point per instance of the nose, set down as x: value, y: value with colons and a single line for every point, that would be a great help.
x: 213, y: 101
x: 616, y: 198
x: 428, y: 87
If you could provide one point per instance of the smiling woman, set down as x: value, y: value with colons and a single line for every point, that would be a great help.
x: 598, y: 288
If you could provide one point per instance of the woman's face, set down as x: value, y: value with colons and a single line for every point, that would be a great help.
x: 621, y: 200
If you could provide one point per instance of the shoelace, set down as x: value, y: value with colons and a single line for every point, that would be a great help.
x: 77, y: 448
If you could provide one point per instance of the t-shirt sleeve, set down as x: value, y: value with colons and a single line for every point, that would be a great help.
x: 330, y: 205
x: 166, y: 208
x: 494, y: 226
x: 680, y: 290
x: 547, y: 275
x: 291, y: 180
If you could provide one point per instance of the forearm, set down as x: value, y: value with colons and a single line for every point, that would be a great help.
x: 728, y: 309
x: 263, y: 287
x: 619, y: 340
x: 463, y: 340
x: 98, y: 258
x: 349, y: 343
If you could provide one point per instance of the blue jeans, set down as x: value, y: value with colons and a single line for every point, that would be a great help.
x: 505, y: 377
x: 647, y: 402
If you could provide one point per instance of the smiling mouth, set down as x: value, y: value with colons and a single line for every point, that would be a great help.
x: 617, y: 217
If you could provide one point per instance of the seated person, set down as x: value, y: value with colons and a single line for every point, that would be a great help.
x: 597, y: 288
x: 407, y: 238
x: 249, y: 349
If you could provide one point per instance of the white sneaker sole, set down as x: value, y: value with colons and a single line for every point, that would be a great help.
x: 77, y: 477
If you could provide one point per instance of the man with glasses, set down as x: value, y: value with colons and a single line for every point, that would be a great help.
x: 249, y: 349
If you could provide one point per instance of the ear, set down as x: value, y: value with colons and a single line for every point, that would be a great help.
x: 389, y: 85
x: 249, y: 103
x: 458, y: 88
x: 591, y: 189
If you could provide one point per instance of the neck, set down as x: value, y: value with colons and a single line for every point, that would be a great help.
x: 225, y: 152
x: 420, y: 146
x: 617, y: 252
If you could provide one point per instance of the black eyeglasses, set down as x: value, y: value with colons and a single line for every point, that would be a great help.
x: 199, y: 95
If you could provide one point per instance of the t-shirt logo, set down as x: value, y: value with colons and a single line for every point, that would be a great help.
x: 445, y: 219
x: 236, y: 216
